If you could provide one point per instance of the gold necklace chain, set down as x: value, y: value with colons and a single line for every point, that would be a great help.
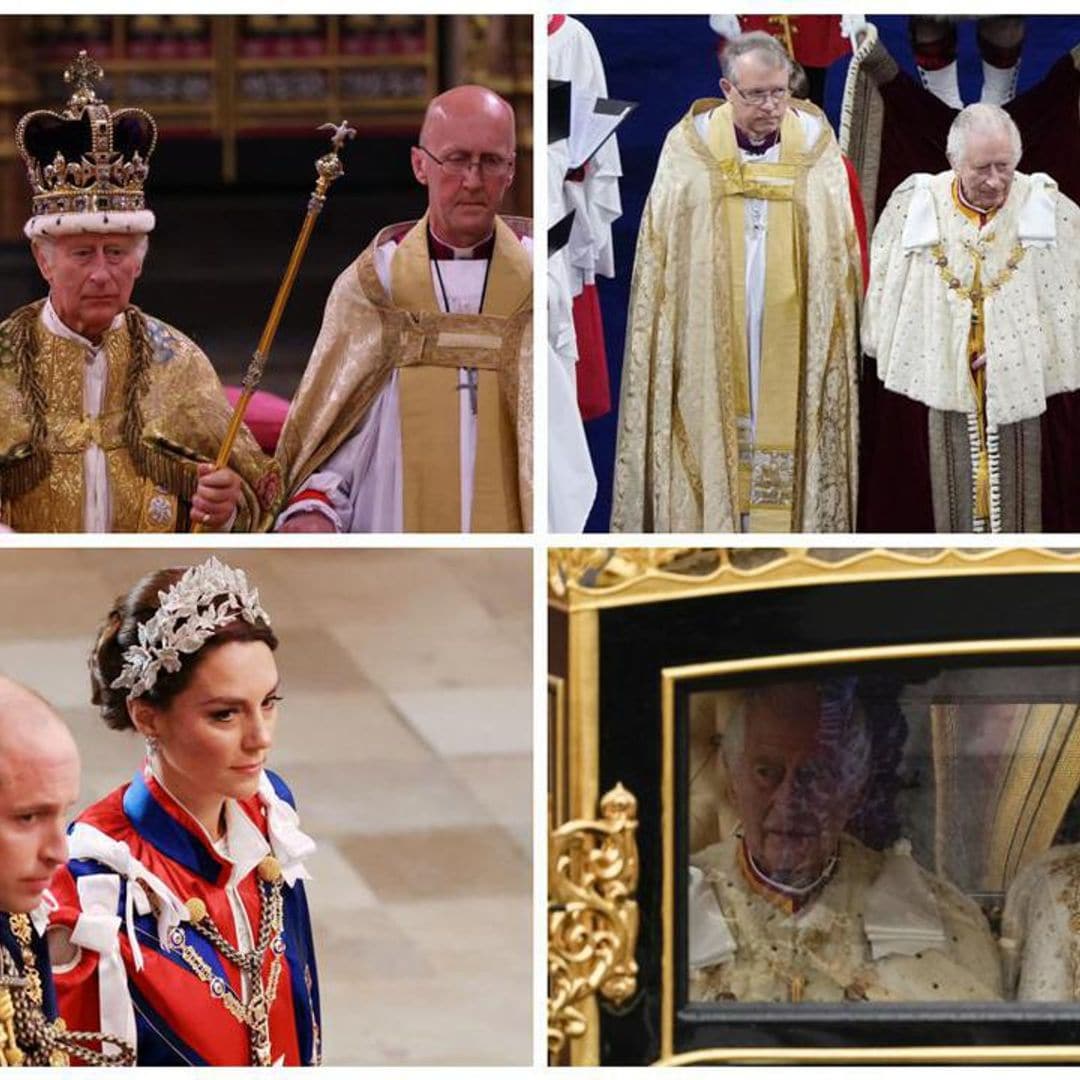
x: 966, y: 292
x: 26, y: 1037
x: 255, y: 1013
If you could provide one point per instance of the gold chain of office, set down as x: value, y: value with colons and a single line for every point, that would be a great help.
x: 26, y: 1036
x: 254, y: 1014
x: 966, y: 292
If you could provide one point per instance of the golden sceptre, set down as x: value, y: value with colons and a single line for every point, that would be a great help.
x: 329, y: 168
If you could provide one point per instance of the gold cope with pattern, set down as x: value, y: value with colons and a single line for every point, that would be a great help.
x: 368, y: 333
x: 684, y: 460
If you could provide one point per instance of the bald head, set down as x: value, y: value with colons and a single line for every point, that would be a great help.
x: 28, y: 725
x: 464, y: 106
x: 465, y: 158
x: 39, y: 783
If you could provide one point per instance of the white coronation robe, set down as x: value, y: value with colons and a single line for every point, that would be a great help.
x: 363, y: 478
x: 1038, y: 936
x: 880, y: 929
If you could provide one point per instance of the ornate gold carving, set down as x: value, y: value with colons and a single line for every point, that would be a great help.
x: 592, y: 914
x: 598, y: 568
x: 580, y: 578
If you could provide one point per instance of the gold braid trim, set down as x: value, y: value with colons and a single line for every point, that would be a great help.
x: 155, y: 462
x: 26, y: 1036
x: 974, y: 292
x: 23, y: 472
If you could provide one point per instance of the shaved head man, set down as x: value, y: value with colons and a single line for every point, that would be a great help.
x: 39, y: 783
x: 465, y: 158
x: 428, y: 430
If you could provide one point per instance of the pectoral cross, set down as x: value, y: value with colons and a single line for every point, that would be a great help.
x: 472, y: 384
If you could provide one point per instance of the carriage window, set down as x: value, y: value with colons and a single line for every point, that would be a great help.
x: 884, y: 832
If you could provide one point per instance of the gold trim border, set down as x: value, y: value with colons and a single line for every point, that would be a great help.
x: 670, y: 678
x: 880, y: 1055
x: 630, y: 579
x: 560, y: 749
x: 583, y: 759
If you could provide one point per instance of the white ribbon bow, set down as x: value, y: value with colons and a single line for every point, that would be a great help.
x: 291, y: 845
x: 921, y: 227
x: 39, y: 917
x: 98, y: 928
x: 86, y: 842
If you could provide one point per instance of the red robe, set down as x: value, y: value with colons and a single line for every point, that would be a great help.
x: 178, y: 1020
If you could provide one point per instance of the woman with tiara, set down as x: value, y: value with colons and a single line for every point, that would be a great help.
x: 182, y: 922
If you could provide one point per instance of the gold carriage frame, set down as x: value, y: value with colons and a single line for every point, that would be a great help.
x: 643, y: 576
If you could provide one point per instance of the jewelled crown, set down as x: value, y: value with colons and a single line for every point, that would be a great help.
x: 87, y: 165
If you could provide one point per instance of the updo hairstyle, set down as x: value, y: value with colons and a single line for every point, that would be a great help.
x: 120, y: 631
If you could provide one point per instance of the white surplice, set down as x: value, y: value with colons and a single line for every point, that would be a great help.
x: 571, y: 476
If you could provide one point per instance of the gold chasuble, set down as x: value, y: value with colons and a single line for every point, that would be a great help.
x: 367, y: 335
x: 163, y: 413
x: 693, y: 454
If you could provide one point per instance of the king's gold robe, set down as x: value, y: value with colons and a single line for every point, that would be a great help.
x: 686, y: 459
x: 823, y: 952
x: 163, y: 413
x: 368, y: 332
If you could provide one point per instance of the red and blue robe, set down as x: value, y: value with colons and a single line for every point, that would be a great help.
x: 137, y: 857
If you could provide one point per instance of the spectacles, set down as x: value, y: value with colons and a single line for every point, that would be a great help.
x: 492, y: 165
x: 759, y: 97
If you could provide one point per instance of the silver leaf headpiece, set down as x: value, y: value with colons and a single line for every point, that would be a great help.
x: 186, y: 618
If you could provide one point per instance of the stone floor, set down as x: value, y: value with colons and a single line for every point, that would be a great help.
x: 406, y: 735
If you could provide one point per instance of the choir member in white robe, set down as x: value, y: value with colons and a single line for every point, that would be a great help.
x: 592, y: 191
x: 571, y: 476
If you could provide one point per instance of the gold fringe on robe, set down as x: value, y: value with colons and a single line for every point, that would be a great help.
x: 163, y: 413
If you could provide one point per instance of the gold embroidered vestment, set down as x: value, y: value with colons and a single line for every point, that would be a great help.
x: 685, y: 459
x: 158, y: 420
x: 368, y: 333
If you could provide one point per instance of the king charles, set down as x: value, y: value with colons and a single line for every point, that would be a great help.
x: 110, y: 419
